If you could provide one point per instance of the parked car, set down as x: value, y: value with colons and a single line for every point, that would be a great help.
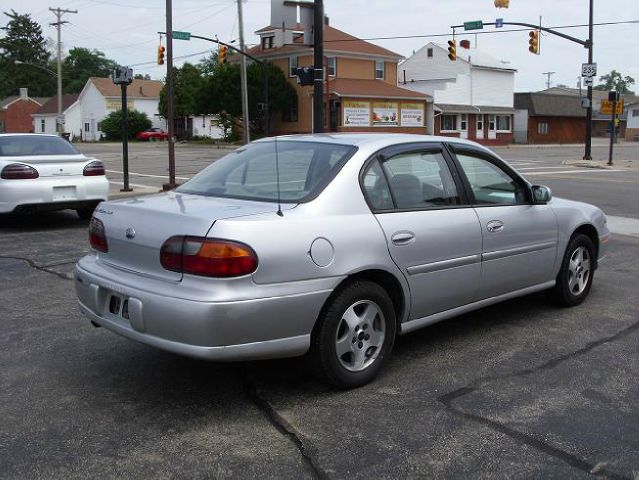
x: 331, y: 245
x: 152, y: 134
x: 46, y: 172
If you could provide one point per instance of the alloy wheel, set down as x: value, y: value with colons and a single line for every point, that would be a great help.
x: 360, y: 335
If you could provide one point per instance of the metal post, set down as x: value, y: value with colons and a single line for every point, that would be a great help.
x: 58, y: 13
x: 613, y: 127
x: 125, y: 140
x: 169, y: 93
x: 588, y: 149
x: 245, y: 110
x: 318, y: 62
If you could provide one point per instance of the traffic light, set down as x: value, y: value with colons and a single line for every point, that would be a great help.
x: 452, y: 50
x: 502, y: 3
x: 222, y: 57
x: 534, y: 42
x: 161, y: 55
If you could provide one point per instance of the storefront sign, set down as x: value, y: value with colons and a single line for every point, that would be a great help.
x: 116, y: 104
x: 357, y: 114
x: 412, y: 115
x: 385, y: 114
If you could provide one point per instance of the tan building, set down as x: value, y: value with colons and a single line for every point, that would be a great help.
x: 361, y: 92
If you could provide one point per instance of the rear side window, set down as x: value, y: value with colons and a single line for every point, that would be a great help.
x: 25, y: 145
x: 251, y: 172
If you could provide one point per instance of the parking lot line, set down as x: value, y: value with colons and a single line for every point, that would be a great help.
x: 146, y: 175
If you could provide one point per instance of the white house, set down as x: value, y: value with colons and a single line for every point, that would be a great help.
x: 98, y: 98
x: 632, y: 122
x: 473, y: 95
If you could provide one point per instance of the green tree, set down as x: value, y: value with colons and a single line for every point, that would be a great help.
x: 24, y: 42
x: 615, y: 81
x: 187, y: 84
x: 82, y: 63
x: 112, y: 124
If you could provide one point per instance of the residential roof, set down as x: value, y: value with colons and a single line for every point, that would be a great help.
x: 9, y: 100
x: 51, y: 105
x: 596, y: 94
x: 138, y: 89
x: 451, y: 108
x: 334, y: 41
x: 479, y: 58
x: 549, y: 105
x: 351, y: 87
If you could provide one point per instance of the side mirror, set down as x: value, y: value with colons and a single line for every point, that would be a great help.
x: 541, y: 194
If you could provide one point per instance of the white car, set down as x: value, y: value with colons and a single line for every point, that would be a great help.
x: 46, y: 172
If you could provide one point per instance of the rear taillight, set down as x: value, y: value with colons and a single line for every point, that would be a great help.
x: 208, y: 257
x: 93, y: 169
x: 18, y: 171
x: 97, y: 236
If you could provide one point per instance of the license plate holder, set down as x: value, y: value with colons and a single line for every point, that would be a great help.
x: 64, y: 193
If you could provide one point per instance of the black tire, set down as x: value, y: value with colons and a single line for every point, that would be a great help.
x: 565, y: 293
x: 360, y: 294
x: 85, y: 213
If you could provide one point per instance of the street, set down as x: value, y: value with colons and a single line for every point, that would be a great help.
x: 522, y: 389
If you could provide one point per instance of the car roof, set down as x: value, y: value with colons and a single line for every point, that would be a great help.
x: 373, y: 140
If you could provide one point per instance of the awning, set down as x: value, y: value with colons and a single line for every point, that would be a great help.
x: 452, y: 108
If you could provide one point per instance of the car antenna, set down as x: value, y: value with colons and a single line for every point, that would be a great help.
x: 277, y: 174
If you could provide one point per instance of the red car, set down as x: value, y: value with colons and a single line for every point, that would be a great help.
x: 152, y: 134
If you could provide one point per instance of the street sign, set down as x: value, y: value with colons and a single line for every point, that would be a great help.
x: 499, y: 23
x: 588, y: 69
x: 589, y: 81
x: 122, y: 75
x: 474, y: 25
x: 181, y: 35
x: 585, y: 102
x: 605, y: 107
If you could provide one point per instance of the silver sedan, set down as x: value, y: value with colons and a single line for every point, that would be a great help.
x: 331, y: 245
x: 45, y: 172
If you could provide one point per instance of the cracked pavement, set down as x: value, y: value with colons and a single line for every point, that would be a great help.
x: 518, y: 390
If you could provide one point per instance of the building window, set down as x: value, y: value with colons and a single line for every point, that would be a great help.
x: 491, y: 122
x: 429, y: 53
x: 42, y: 126
x: 332, y: 66
x: 379, y: 69
x: 267, y: 42
x: 86, y: 126
x: 503, y: 123
x: 635, y: 113
x: 449, y: 123
x: 463, y: 122
x: 99, y: 125
x: 290, y: 114
x: 480, y: 122
x: 292, y: 66
x: 542, y: 128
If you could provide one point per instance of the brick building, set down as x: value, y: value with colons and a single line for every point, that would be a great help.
x: 548, y: 118
x: 16, y: 111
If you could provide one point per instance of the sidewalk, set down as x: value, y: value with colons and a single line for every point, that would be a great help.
x: 137, y: 190
x: 596, y: 142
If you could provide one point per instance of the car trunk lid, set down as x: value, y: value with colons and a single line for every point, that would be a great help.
x: 54, y: 165
x: 136, y: 228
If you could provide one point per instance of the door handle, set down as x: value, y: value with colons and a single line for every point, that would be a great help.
x: 495, y: 226
x: 403, y: 238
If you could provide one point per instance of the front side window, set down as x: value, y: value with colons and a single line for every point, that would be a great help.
x: 421, y: 179
x: 292, y: 66
x: 379, y: 69
x: 490, y: 184
x: 250, y: 173
x: 331, y: 66
x: 449, y: 123
x: 23, y: 145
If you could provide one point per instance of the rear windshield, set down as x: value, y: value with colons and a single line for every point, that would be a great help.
x: 24, y: 145
x: 305, y: 168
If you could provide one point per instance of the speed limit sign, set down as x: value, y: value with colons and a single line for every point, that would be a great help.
x: 588, y: 69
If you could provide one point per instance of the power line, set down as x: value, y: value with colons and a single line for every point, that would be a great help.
x: 474, y: 32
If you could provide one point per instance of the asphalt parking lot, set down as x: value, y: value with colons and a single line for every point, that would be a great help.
x: 518, y: 390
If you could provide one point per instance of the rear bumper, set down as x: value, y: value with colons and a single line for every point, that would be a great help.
x: 52, y: 193
x: 223, y: 330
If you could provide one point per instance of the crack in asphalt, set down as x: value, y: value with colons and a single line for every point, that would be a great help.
x: 448, y: 398
x: 41, y: 268
x: 282, y: 426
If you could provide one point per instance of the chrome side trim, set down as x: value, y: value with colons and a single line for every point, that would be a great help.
x: 444, y: 264
x: 277, y: 348
x: 517, y: 251
x: 412, y: 325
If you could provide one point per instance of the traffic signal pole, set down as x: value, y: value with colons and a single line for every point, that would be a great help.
x: 318, y: 62
x: 169, y: 94
x: 588, y: 147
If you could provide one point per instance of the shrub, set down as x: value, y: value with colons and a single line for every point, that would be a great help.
x: 111, y: 126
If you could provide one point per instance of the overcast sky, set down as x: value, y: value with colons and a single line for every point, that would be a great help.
x: 125, y: 30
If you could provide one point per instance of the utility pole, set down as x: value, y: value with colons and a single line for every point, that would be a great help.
x: 58, y: 13
x: 169, y: 94
x: 318, y: 65
x: 588, y: 148
x: 245, y: 111
x: 549, y: 74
